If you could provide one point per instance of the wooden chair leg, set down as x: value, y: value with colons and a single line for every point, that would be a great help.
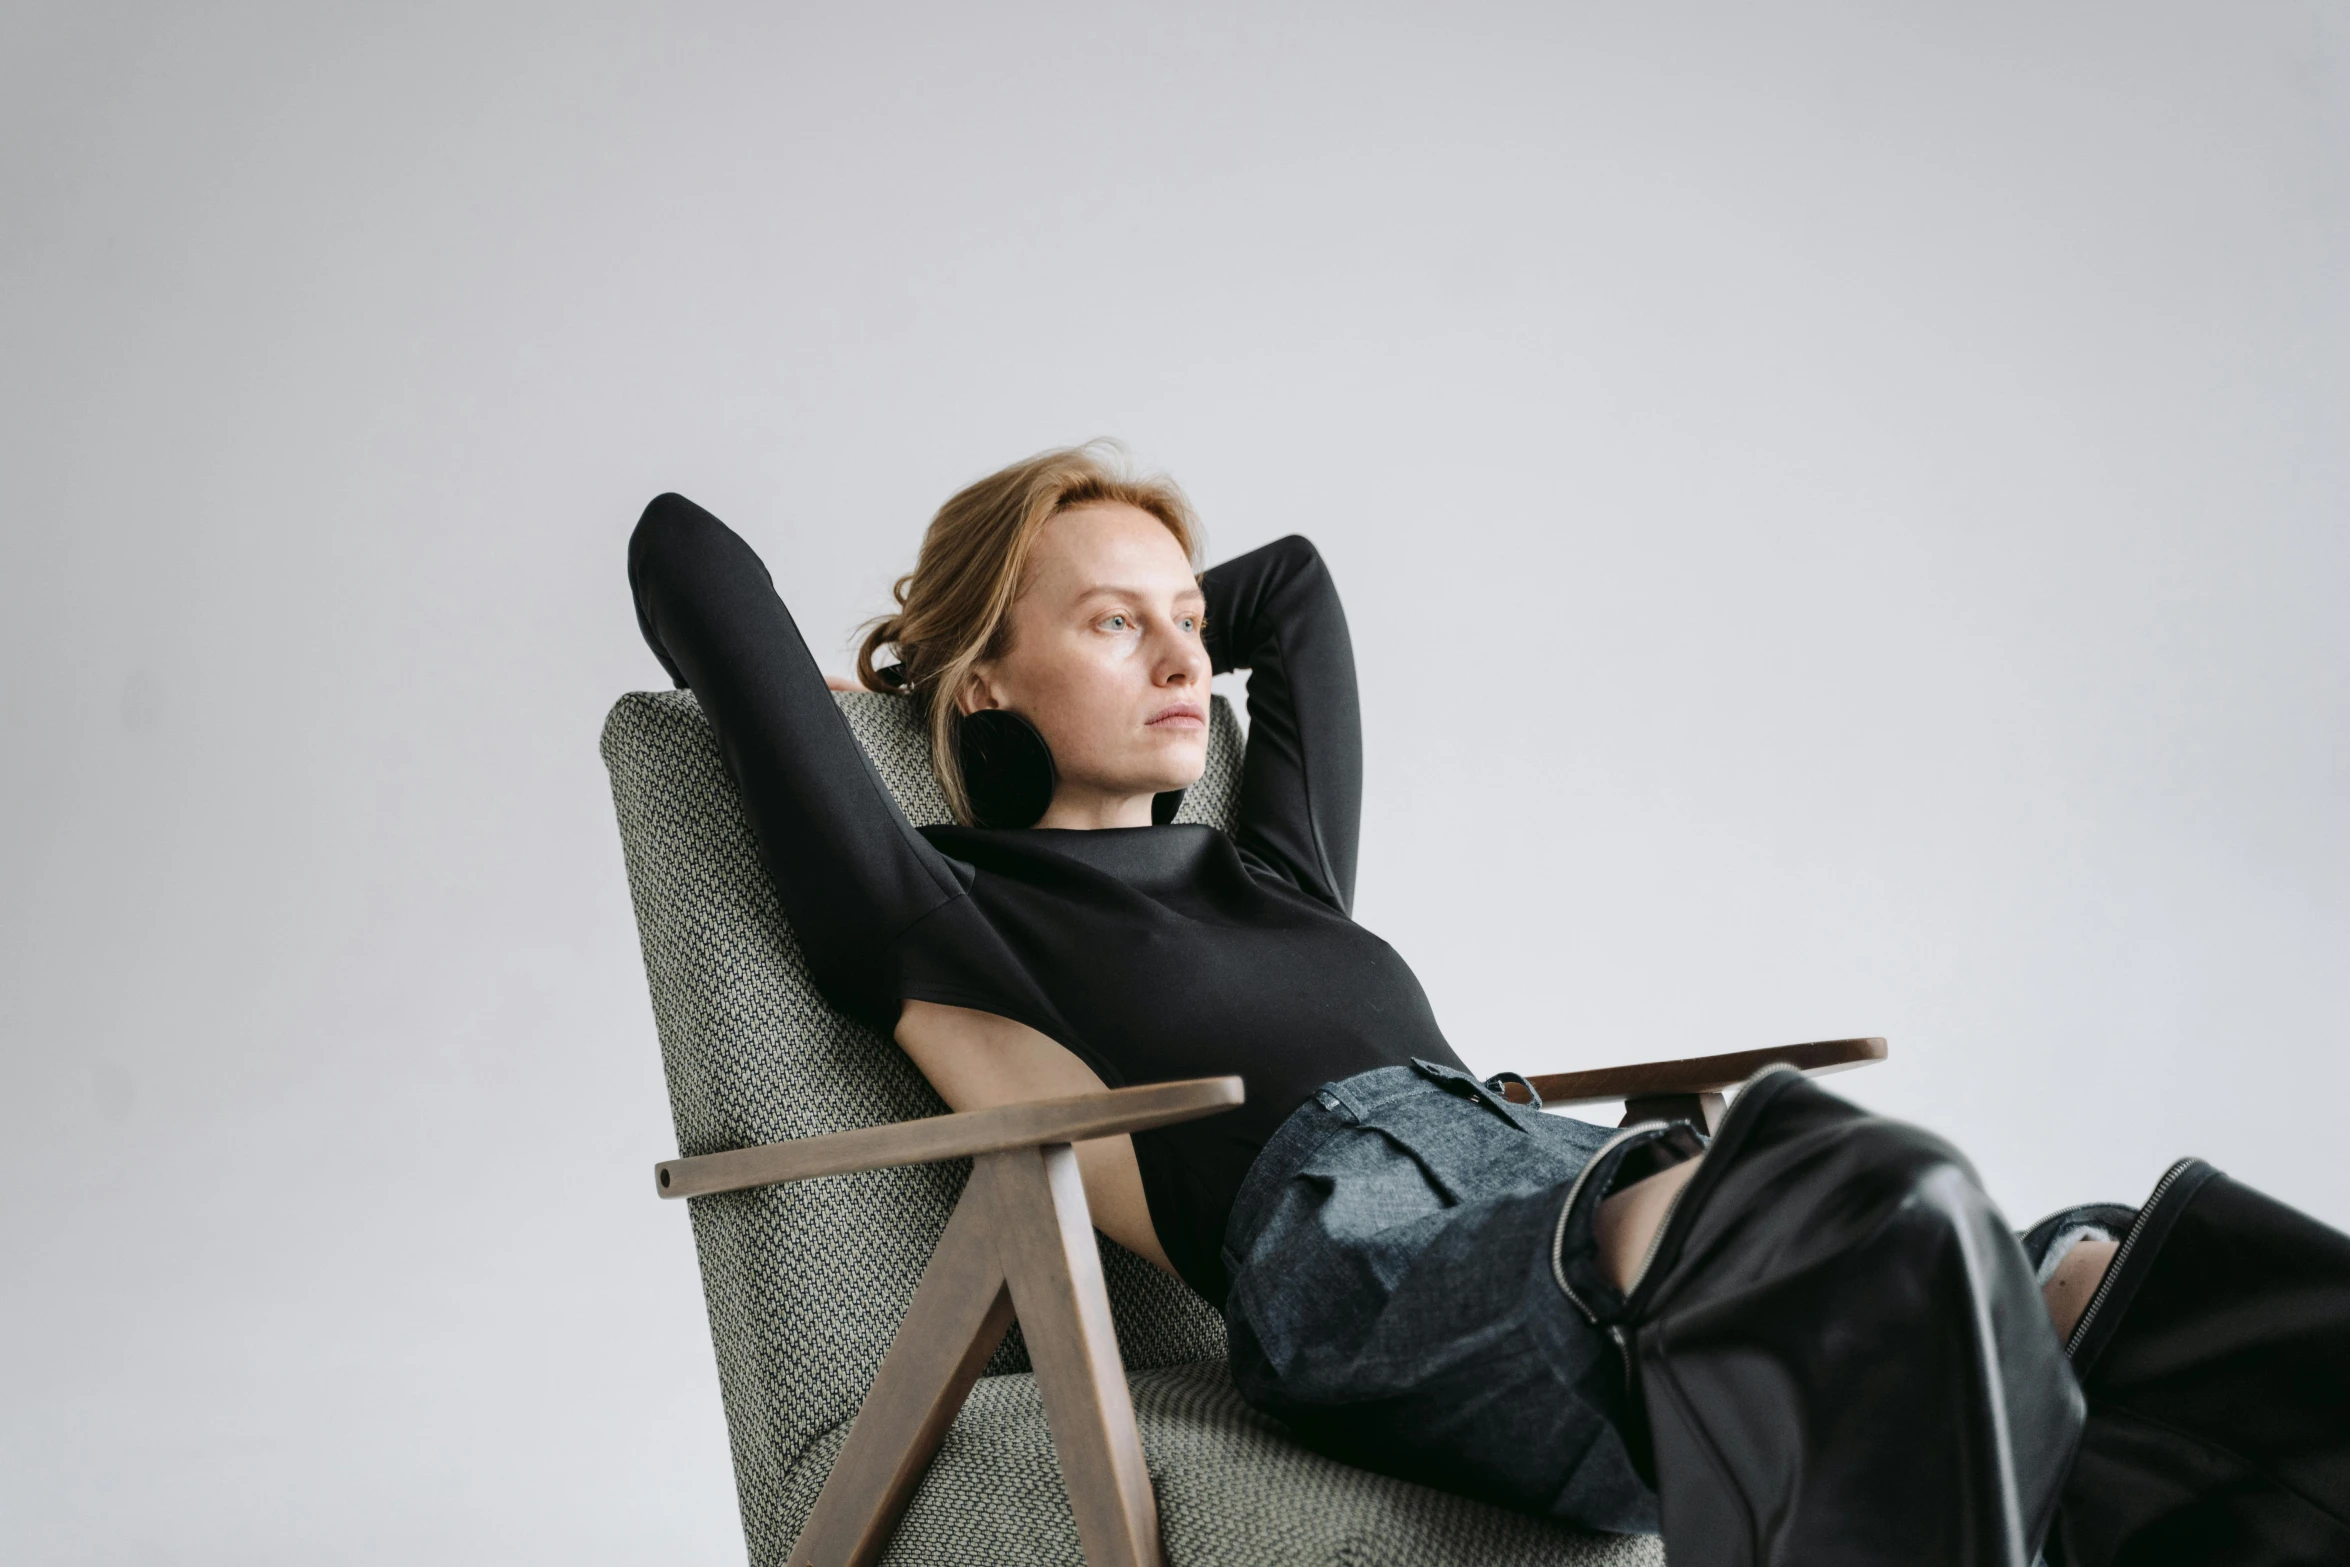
x: 1021, y: 1240
x: 1047, y: 1250
x: 961, y: 1311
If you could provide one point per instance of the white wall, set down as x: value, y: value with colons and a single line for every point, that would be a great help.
x: 1842, y: 513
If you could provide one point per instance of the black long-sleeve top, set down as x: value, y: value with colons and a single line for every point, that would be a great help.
x: 1153, y: 953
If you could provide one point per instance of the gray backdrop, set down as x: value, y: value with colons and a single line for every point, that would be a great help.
x: 1842, y: 509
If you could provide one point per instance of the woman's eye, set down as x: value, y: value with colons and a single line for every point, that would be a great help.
x: 1114, y: 623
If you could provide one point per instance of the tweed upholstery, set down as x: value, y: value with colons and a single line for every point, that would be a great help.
x: 805, y: 1283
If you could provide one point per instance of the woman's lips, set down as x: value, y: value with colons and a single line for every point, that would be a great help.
x: 1183, y: 715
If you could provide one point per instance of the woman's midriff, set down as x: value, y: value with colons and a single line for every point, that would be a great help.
x: 977, y: 1060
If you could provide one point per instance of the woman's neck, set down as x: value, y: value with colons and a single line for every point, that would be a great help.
x: 1086, y: 809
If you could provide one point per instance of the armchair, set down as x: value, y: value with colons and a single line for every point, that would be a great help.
x: 908, y: 1352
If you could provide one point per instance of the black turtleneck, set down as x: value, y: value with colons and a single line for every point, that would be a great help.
x: 1152, y: 952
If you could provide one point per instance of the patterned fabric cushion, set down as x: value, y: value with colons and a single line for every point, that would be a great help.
x: 806, y: 1282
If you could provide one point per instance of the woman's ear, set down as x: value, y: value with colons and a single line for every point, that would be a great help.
x: 978, y: 692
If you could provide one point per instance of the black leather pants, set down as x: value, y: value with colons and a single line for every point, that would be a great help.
x: 1840, y: 1357
x: 2216, y: 1360
x: 1839, y: 1354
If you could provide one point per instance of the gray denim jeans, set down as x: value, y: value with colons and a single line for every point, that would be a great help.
x: 1393, y: 1299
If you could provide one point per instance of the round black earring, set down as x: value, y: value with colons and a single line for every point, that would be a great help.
x: 1008, y: 772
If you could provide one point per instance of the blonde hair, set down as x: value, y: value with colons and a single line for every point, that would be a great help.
x: 954, y: 607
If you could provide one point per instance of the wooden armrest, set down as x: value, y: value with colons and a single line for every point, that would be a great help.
x: 962, y: 1136
x: 1694, y: 1074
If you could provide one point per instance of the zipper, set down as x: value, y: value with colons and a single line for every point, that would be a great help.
x: 2113, y: 1269
x: 1558, y: 1243
x: 1664, y: 1225
x: 1558, y: 1238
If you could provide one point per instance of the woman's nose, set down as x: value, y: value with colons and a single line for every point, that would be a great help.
x: 1183, y: 664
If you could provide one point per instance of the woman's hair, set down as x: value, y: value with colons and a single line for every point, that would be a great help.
x: 954, y: 607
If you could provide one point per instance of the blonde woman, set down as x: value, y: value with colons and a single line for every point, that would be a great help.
x: 1812, y: 1341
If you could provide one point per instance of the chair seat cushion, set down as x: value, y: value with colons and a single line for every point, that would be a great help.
x: 1233, y: 1492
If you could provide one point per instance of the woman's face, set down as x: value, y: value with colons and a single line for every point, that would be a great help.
x: 1106, y: 661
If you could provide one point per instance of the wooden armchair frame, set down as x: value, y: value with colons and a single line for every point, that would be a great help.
x: 1020, y: 1243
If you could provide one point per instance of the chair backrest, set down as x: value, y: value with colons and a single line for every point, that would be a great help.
x: 806, y: 1283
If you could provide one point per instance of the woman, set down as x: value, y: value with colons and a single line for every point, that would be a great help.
x: 1812, y: 1341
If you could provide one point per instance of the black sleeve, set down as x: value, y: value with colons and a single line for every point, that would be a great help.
x: 1275, y: 613
x: 850, y: 870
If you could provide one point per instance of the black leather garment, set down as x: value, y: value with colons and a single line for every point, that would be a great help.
x: 2216, y: 1359
x: 1838, y: 1353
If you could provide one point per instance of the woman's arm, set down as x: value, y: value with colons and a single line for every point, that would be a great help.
x: 1275, y: 613
x: 851, y: 872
